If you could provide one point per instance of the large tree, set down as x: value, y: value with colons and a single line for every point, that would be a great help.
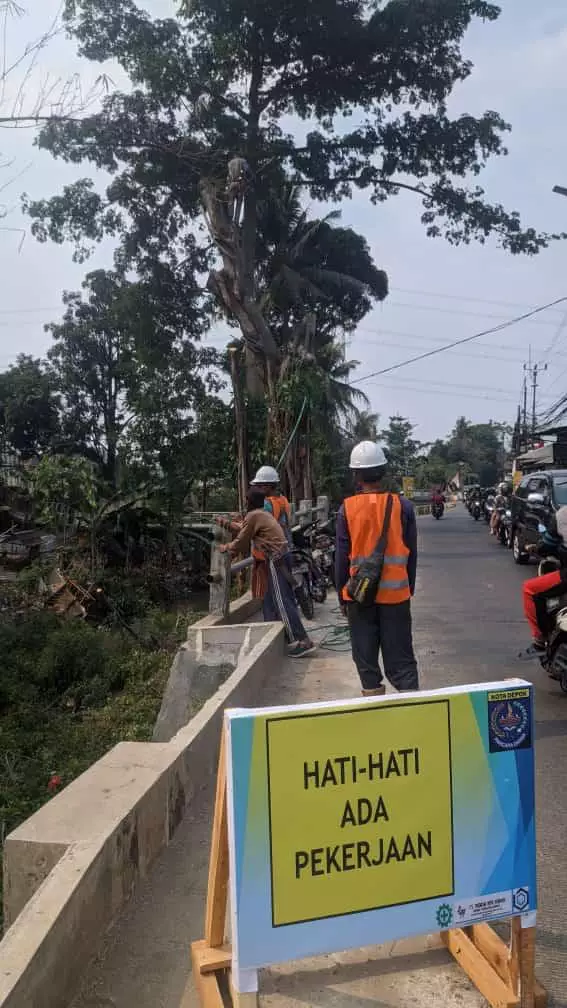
x: 126, y: 360
x: 401, y: 448
x: 477, y: 450
x: 205, y: 126
x: 29, y: 406
x: 316, y: 282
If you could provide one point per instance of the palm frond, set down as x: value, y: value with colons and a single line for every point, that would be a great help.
x: 341, y: 282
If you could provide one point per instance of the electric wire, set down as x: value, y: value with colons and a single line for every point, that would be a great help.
x: 460, y: 342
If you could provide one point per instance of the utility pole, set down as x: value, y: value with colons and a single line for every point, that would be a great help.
x: 534, y: 394
x: 525, y: 413
x: 531, y: 372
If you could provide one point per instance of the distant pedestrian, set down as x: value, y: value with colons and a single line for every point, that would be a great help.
x: 372, y: 521
x: 260, y: 530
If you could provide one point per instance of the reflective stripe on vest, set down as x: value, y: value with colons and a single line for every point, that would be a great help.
x: 364, y: 516
x: 280, y: 509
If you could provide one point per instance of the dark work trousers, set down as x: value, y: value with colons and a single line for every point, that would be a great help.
x: 386, y: 629
x: 279, y: 600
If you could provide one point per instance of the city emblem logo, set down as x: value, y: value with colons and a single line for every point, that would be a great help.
x: 509, y: 724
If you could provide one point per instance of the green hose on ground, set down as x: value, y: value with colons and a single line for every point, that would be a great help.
x: 336, y: 636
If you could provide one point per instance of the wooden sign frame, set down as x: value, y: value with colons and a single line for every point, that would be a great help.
x: 503, y: 973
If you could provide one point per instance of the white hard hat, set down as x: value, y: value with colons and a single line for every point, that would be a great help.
x: 367, y: 455
x: 266, y: 474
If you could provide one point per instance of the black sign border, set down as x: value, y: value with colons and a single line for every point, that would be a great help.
x: 357, y: 710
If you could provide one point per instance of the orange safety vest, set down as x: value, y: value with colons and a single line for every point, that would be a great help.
x: 280, y: 506
x: 365, y: 517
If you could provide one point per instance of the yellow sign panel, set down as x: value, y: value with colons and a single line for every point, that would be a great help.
x: 360, y: 809
x: 408, y: 485
x: 516, y: 478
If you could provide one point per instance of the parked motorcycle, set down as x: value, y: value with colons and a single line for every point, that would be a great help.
x: 324, y: 551
x: 437, y: 510
x: 301, y: 573
x: 309, y: 580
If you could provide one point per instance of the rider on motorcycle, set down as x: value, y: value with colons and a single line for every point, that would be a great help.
x: 438, y: 497
x: 536, y: 591
x: 500, y: 501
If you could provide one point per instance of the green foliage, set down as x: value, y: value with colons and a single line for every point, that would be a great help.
x: 219, y: 79
x: 65, y: 482
x: 401, y: 448
x: 29, y: 418
x: 478, y: 449
x: 307, y: 265
x: 49, y: 661
x: 125, y: 359
x: 68, y: 693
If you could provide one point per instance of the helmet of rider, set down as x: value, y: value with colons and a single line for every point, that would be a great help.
x: 503, y: 487
x: 367, y: 455
x: 266, y: 475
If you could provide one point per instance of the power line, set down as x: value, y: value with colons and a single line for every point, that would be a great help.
x: 432, y: 339
x: 562, y: 325
x: 458, y: 311
x: 462, y: 297
x: 467, y: 339
x: 437, y: 392
x: 459, y: 385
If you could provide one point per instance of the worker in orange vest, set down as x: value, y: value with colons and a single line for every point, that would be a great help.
x: 267, y: 480
x: 384, y: 625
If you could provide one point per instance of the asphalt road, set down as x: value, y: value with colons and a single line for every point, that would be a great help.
x: 469, y: 628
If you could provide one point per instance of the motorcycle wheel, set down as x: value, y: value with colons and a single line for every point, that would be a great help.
x: 520, y: 556
x: 305, y: 602
x: 476, y: 516
x: 558, y: 668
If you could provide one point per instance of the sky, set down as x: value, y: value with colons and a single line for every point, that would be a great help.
x: 438, y: 293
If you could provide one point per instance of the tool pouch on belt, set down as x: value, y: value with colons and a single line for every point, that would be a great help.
x: 363, y: 585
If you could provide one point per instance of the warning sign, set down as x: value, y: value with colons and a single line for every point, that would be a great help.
x: 360, y: 809
x: 372, y: 820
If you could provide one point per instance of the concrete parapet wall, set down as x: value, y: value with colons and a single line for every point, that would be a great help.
x: 69, y: 869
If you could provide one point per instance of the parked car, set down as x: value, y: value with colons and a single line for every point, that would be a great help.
x: 534, y: 503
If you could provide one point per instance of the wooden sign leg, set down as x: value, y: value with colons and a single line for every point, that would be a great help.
x: 211, y: 956
x: 526, y: 949
x: 217, y: 888
x: 504, y: 975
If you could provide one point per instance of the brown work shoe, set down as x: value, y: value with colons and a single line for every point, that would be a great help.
x: 379, y: 691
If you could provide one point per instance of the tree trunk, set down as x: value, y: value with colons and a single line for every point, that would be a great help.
x: 231, y: 284
x: 243, y: 466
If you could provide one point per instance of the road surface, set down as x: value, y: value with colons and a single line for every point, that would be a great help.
x: 468, y: 628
